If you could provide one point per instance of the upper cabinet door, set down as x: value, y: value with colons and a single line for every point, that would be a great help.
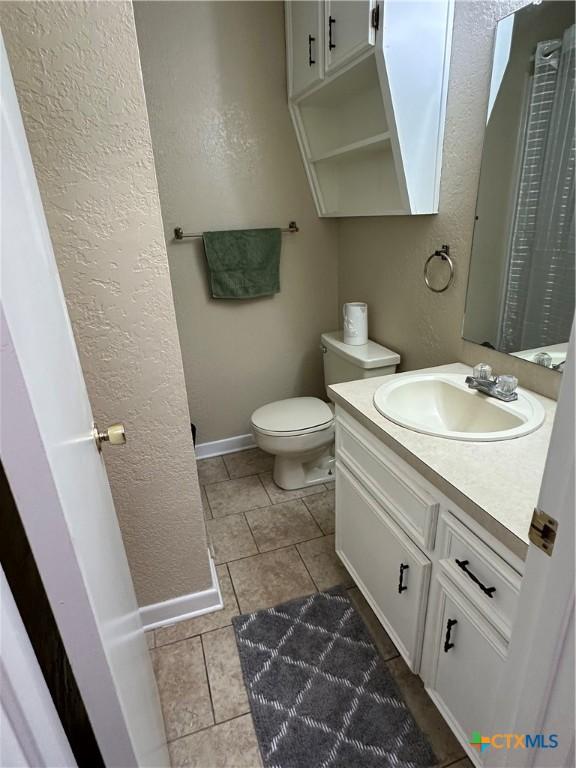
x: 304, y: 44
x: 348, y: 30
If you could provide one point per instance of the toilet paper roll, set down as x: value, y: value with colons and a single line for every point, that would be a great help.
x: 355, y: 316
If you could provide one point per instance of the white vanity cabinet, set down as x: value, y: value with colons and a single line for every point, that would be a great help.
x: 389, y: 568
x: 478, y: 589
x: 444, y: 589
x: 367, y: 88
x: 466, y: 661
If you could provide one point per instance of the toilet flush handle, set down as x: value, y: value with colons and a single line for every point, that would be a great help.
x: 115, y: 434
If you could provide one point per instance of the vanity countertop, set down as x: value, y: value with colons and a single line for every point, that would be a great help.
x: 496, y: 483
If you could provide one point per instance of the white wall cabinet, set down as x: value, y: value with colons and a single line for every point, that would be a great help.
x: 369, y: 112
x: 443, y: 588
x: 351, y: 31
x: 306, y: 50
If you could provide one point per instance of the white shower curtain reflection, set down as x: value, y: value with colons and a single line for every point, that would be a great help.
x: 539, y: 296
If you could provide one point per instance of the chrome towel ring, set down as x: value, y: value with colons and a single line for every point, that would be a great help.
x: 444, y: 255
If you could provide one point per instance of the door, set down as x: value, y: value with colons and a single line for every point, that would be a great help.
x: 30, y: 732
x: 349, y: 31
x: 389, y: 569
x: 536, y: 690
x: 305, y: 44
x: 57, y: 475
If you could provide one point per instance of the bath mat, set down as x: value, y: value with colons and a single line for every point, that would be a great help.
x: 320, y: 694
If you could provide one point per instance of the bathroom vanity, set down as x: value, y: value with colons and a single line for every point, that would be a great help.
x: 434, y: 532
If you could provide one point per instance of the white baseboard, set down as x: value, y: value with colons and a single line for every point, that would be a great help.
x: 229, y: 445
x: 183, y: 607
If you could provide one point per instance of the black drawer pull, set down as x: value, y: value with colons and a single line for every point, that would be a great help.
x: 310, y: 59
x: 331, y: 21
x: 487, y: 590
x: 401, y: 587
x: 447, y: 644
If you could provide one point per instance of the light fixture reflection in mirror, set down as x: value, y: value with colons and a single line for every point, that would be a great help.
x: 520, y: 296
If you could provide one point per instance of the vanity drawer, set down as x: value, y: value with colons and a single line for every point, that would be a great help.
x: 487, y: 580
x: 388, y: 568
x: 395, y: 484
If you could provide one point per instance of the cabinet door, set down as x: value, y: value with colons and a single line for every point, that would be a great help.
x: 468, y: 659
x: 348, y: 30
x: 388, y: 568
x: 305, y: 44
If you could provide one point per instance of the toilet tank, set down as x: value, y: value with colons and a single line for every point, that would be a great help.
x: 346, y: 362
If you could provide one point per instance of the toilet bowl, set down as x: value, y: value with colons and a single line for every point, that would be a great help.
x: 299, y: 431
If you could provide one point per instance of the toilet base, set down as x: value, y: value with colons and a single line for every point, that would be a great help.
x: 292, y: 473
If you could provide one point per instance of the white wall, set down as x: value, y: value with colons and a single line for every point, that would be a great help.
x: 77, y: 75
x: 226, y: 157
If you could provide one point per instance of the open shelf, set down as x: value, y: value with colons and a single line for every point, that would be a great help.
x: 356, y: 146
x: 345, y: 111
x: 360, y: 183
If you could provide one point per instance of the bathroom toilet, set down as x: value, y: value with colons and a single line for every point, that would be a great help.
x: 299, y: 431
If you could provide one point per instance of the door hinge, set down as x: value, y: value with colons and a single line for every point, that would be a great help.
x: 543, y: 530
x: 375, y: 16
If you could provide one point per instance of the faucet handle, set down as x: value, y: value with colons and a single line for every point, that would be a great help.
x: 506, y: 384
x: 482, y: 371
x: 543, y: 358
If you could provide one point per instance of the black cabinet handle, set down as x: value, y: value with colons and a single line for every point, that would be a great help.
x: 487, y: 590
x: 401, y: 587
x: 447, y: 644
x: 310, y: 59
x: 331, y: 21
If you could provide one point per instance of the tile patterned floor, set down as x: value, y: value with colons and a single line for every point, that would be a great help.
x: 270, y: 546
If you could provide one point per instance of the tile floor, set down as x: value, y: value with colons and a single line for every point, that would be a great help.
x: 270, y: 546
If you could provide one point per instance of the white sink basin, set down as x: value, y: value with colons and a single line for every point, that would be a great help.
x: 441, y: 404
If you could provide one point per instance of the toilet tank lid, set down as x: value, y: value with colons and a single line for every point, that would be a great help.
x: 370, y: 355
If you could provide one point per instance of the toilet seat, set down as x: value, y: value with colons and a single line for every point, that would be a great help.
x: 292, y: 417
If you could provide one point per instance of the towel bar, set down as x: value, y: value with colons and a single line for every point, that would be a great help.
x: 179, y: 234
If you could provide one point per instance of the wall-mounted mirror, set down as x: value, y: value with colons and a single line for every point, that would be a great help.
x: 521, y: 285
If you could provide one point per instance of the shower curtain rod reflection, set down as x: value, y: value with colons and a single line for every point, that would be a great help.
x: 179, y: 234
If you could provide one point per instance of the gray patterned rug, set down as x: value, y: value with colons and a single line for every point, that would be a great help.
x: 320, y: 694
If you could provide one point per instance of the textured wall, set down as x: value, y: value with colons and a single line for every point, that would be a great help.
x: 78, y: 80
x: 226, y: 156
x: 381, y: 260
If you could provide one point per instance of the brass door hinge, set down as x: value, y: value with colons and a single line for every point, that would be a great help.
x: 543, y: 530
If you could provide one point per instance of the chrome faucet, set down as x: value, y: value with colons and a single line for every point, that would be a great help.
x: 501, y: 387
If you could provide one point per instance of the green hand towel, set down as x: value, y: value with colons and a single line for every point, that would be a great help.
x: 243, y: 263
